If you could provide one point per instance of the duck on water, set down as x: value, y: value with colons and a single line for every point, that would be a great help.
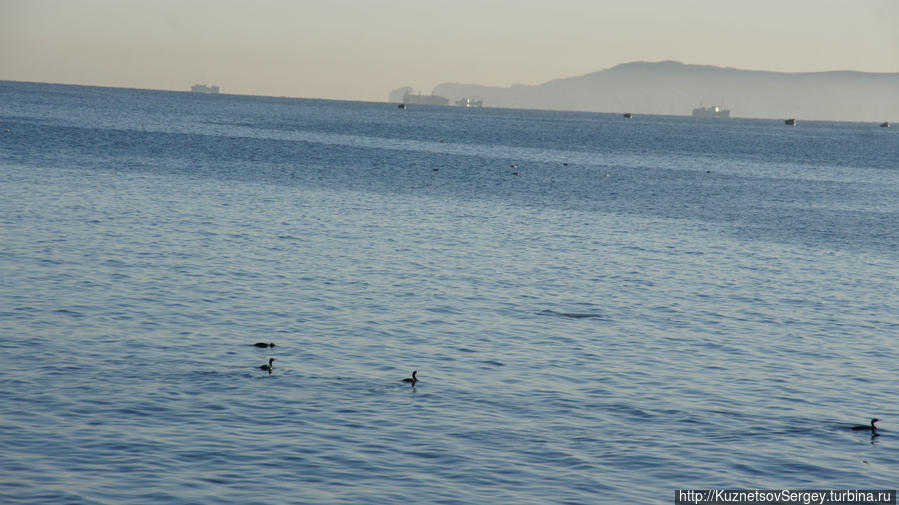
x: 268, y: 368
x: 413, y: 380
x: 867, y: 427
x: 263, y: 344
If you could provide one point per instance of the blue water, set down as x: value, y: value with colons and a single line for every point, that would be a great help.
x: 650, y: 304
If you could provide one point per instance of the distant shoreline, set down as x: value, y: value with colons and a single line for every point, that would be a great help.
x: 486, y: 107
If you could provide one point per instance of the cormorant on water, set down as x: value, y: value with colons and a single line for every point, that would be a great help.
x: 263, y: 344
x: 268, y: 368
x: 413, y: 380
x: 865, y: 427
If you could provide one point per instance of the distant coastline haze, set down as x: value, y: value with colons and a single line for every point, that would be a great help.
x: 351, y: 50
x: 674, y: 88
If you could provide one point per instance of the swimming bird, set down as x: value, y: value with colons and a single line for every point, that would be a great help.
x: 268, y: 368
x: 263, y: 344
x: 865, y: 427
x: 413, y: 380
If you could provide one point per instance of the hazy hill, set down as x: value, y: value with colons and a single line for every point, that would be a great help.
x: 670, y: 87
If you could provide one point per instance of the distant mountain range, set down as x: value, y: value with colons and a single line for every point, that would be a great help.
x: 674, y: 88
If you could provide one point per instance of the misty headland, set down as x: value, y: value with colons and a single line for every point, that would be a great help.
x: 674, y: 88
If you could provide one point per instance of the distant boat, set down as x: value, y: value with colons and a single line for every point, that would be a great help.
x: 420, y: 99
x: 628, y: 115
x: 790, y: 122
x: 468, y: 102
x: 202, y: 88
x: 885, y: 124
x: 713, y: 112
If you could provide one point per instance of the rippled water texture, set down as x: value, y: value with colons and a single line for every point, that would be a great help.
x: 650, y: 304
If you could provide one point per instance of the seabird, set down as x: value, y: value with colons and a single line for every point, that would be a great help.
x: 413, y: 380
x: 263, y: 344
x: 866, y: 427
x: 268, y: 368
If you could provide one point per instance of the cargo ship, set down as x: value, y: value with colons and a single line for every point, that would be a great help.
x: 420, y: 99
x: 714, y: 112
x: 202, y: 88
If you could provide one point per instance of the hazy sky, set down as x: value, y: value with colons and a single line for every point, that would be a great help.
x: 362, y: 49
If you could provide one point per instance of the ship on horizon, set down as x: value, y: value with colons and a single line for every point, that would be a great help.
x: 713, y: 112
x: 420, y: 99
x: 202, y: 88
x: 469, y: 102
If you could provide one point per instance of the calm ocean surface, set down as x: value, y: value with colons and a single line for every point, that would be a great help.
x: 650, y: 304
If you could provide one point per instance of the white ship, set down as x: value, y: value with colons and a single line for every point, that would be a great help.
x: 715, y: 112
x: 202, y: 88
x: 468, y: 102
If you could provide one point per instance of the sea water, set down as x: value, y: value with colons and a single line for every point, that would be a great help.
x: 600, y: 309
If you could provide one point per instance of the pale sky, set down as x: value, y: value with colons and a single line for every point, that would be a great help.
x: 363, y: 49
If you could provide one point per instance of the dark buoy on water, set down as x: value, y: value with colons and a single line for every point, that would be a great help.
x: 263, y: 344
x: 268, y: 368
x: 413, y: 380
